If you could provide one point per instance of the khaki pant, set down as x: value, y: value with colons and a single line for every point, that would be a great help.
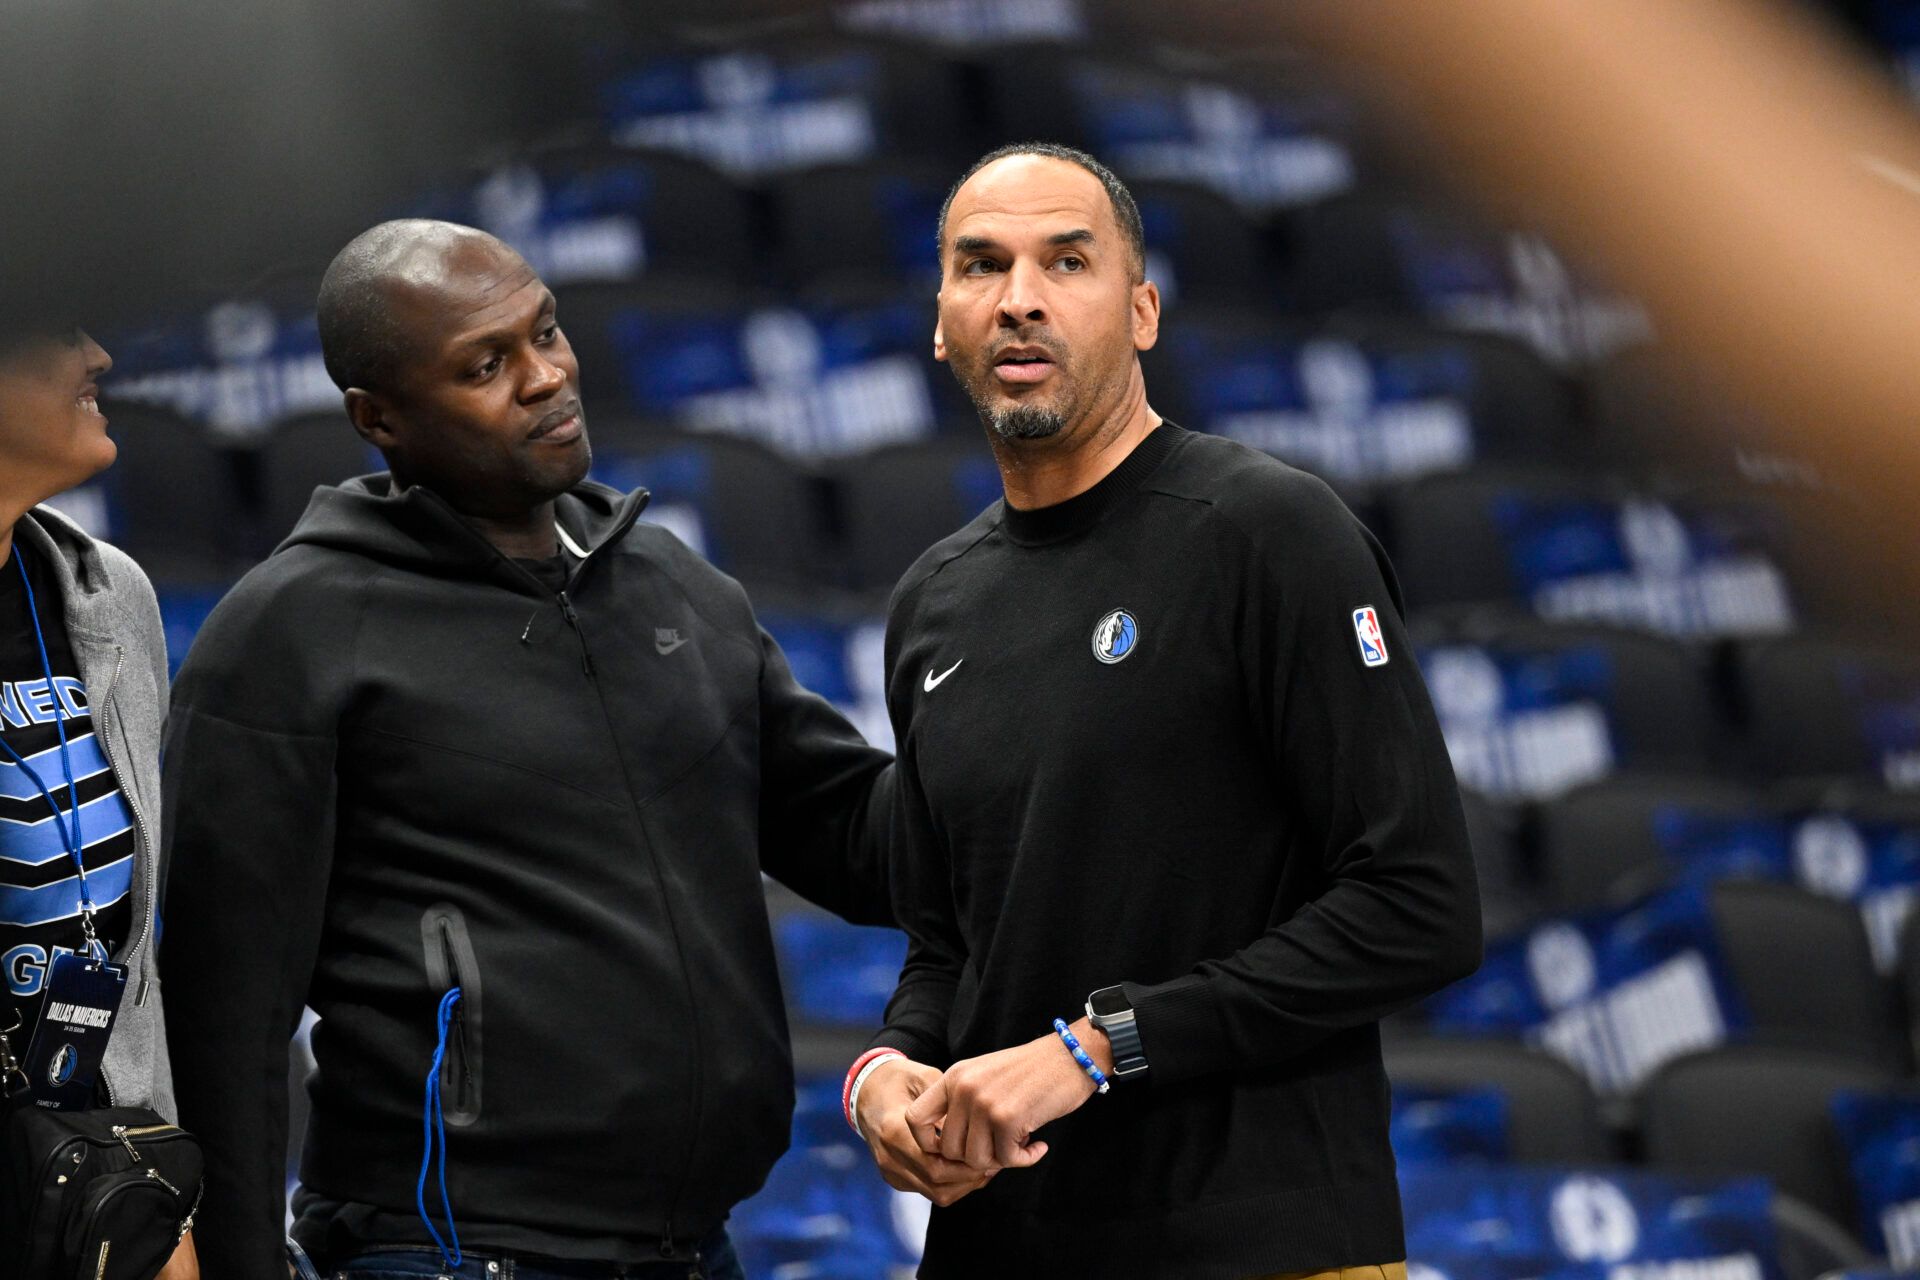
x: 1391, y: 1271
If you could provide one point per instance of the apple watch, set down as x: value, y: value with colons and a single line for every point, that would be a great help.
x: 1109, y: 1010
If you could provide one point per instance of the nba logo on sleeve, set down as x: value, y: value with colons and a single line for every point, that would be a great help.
x: 1373, y: 645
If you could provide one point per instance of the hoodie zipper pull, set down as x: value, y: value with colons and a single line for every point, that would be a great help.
x: 573, y: 620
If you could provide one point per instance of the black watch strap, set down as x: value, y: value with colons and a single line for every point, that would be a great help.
x: 1122, y: 1032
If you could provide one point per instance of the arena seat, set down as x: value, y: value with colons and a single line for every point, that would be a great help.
x: 1532, y: 709
x: 814, y: 379
x: 1812, y: 1244
x: 1605, y: 843
x: 1403, y: 253
x: 897, y: 502
x: 774, y: 106
x: 172, y: 499
x: 1356, y: 401
x: 860, y: 224
x: 1757, y: 1109
x: 1578, y: 549
x: 589, y: 315
x: 1264, y: 146
x: 1803, y: 970
x: 753, y: 513
x: 1552, y: 1114
x: 597, y: 213
x: 1202, y: 249
x: 1818, y: 705
x: 1508, y: 898
x: 297, y: 456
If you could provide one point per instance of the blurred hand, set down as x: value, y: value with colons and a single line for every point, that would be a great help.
x: 884, y: 1100
x: 983, y: 1112
x: 185, y: 1263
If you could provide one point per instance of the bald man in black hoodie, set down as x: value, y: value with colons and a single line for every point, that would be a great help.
x: 473, y: 729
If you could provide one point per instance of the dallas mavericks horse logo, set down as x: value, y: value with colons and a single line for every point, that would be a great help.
x: 65, y: 1060
x: 1114, y: 636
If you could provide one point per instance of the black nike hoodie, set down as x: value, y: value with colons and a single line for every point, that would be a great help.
x: 396, y: 762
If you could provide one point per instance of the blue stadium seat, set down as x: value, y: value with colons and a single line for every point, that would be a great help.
x: 812, y: 380
x: 824, y: 1213
x: 837, y: 655
x: 1357, y: 403
x: 582, y: 214
x: 1532, y: 710
x: 1752, y: 1109
x: 1202, y: 249
x: 1506, y: 1223
x: 1409, y: 256
x: 1818, y: 706
x: 237, y: 367
x: 1573, y: 549
x: 750, y: 511
x: 184, y: 609
x: 835, y: 973
x: 1451, y: 1126
x: 754, y: 111
x: 970, y: 24
x: 171, y: 500
x: 1803, y: 971
x: 1615, y: 994
x: 861, y: 226
x: 1265, y: 147
x: 1552, y: 1115
x: 1613, y: 841
x: 1879, y: 1134
x: 897, y: 502
x: 299, y: 455
x: 1645, y: 408
x: 1509, y: 898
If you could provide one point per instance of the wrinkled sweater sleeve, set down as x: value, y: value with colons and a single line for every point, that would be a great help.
x: 1357, y: 753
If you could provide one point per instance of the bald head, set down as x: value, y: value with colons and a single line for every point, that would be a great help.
x: 369, y: 287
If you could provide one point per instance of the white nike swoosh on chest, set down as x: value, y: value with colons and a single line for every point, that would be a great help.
x: 668, y: 648
x: 933, y: 681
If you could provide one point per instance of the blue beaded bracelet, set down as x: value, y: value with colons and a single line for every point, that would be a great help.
x: 1087, y: 1064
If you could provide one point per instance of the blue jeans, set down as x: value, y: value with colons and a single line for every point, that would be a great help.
x: 409, y: 1262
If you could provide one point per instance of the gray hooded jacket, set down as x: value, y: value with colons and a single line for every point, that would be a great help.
x: 113, y: 622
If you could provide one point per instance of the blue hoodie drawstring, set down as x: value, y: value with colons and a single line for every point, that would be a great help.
x: 435, y: 1121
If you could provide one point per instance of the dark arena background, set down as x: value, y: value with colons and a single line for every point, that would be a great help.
x: 1664, y: 609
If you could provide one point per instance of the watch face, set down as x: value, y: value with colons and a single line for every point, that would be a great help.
x: 1109, y: 1002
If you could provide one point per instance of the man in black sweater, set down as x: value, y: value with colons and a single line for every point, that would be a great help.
x: 1174, y: 795
x: 487, y: 773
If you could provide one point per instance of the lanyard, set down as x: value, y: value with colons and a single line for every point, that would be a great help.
x: 69, y: 833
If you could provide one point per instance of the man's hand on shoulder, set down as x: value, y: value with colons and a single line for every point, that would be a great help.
x: 906, y: 1166
x: 984, y: 1111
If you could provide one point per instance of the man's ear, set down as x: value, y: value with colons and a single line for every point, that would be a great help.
x: 940, y: 341
x: 1146, y: 315
x: 369, y: 418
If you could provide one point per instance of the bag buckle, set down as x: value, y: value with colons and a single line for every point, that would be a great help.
x: 13, y: 1081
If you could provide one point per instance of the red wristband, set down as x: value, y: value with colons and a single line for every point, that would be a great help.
x: 853, y: 1073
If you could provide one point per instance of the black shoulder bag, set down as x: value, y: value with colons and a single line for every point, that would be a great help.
x: 95, y: 1195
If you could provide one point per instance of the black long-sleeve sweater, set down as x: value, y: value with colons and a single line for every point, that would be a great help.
x: 398, y: 761
x: 1226, y: 802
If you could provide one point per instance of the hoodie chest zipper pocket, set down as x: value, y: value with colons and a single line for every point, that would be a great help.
x: 450, y: 963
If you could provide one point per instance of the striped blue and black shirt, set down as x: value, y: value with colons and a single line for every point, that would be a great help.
x: 39, y: 889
